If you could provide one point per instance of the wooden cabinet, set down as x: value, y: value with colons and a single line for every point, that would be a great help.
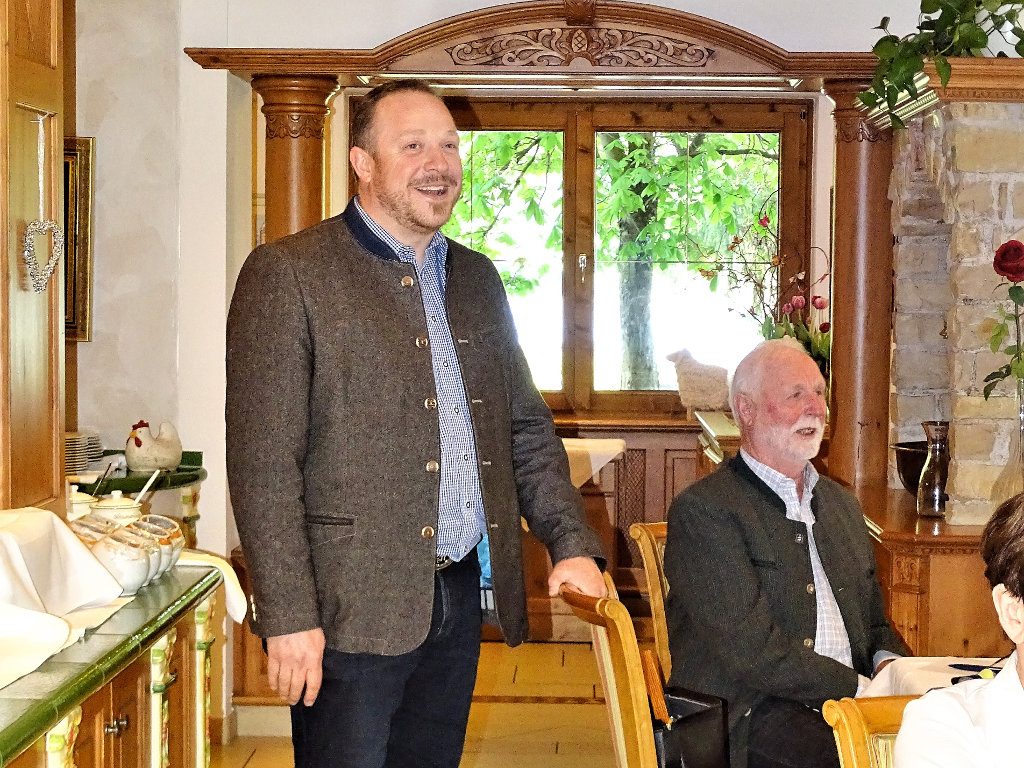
x: 932, y: 578
x: 153, y: 712
x: 31, y: 319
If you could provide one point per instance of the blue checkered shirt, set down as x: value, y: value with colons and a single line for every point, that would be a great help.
x: 460, y: 523
x: 830, y: 638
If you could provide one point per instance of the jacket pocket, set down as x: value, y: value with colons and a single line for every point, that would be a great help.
x: 324, y: 529
x: 770, y: 565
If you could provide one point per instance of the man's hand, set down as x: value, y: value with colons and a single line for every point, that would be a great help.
x: 295, y: 661
x: 580, y: 572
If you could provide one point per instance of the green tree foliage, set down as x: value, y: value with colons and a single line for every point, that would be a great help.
x: 661, y: 199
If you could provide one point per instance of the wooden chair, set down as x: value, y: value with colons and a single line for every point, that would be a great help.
x: 650, y: 539
x: 865, y: 729
x: 622, y: 676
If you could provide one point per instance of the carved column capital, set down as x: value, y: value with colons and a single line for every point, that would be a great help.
x: 852, y: 124
x: 295, y: 105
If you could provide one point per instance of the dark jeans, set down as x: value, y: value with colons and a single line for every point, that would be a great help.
x: 406, y: 711
x: 786, y: 734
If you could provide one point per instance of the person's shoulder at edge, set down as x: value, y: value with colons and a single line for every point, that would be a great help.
x: 937, y: 727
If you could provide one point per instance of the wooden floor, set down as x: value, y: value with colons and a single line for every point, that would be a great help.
x: 536, y: 705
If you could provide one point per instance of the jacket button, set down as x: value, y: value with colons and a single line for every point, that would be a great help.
x: 430, y: 403
x: 432, y: 466
x: 808, y: 643
x: 799, y: 538
x: 422, y: 341
x: 810, y: 589
x: 407, y: 282
x: 427, y: 532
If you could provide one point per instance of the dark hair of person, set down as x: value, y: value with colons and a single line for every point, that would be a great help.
x: 1002, y: 546
x: 366, y: 107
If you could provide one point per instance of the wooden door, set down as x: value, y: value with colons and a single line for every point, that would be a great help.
x: 92, y: 741
x: 31, y: 320
x: 181, y: 710
x: 129, y: 703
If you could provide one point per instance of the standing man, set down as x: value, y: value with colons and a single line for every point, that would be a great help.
x: 381, y: 420
x: 773, y: 602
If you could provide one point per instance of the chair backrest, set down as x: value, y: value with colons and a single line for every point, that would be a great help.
x: 865, y: 729
x: 622, y: 676
x: 650, y: 539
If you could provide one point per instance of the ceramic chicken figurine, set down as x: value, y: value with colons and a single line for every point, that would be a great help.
x: 144, y: 452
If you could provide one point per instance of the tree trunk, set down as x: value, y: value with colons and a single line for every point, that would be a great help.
x: 639, y: 370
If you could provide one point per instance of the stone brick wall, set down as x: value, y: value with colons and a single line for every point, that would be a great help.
x: 958, y: 192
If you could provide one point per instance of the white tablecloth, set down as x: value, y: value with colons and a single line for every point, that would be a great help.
x: 588, y: 455
x: 915, y: 675
x: 51, y: 590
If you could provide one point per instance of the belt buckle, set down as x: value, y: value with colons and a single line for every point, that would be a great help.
x: 442, y: 561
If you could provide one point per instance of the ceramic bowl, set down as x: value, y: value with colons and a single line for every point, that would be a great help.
x: 127, y: 562
x: 80, y: 503
x: 91, y: 528
x: 148, y: 544
x: 172, y: 530
x: 163, y: 540
x: 119, y: 508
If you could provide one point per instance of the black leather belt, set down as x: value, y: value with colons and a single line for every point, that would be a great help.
x: 443, y: 561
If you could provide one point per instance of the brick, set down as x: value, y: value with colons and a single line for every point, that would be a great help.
x: 975, y: 198
x: 909, y: 410
x: 969, y: 327
x: 968, y: 511
x: 917, y: 295
x: 915, y: 370
x: 1015, y: 197
x: 988, y: 149
x: 984, y: 363
x: 971, y: 480
x: 973, y: 440
x: 977, y: 407
x: 920, y: 330
x: 977, y: 281
x: 924, y: 255
x: 971, y: 242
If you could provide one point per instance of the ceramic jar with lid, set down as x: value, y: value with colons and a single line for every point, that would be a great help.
x: 81, y: 503
x: 118, y: 508
x: 127, y: 561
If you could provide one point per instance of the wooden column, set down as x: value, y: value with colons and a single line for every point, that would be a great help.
x: 295, y: 107
x: 861, y: 293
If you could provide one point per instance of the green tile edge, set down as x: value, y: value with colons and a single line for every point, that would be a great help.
x: 45, y: 714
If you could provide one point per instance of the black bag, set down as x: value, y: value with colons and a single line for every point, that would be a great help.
x: 698, y: 734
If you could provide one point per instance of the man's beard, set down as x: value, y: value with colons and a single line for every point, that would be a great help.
x: 785, y: 441
x: 400, y: 204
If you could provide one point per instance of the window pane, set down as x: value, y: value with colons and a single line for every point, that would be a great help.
x: 674, y: 212
x: 511, y: 210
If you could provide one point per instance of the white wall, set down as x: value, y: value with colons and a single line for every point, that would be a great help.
x: 796, y: 25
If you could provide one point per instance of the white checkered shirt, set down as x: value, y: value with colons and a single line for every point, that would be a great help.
x: 830, y: 638
x: 460, y: 523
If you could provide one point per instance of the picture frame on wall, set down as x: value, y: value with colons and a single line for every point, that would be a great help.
x: 79, y: 162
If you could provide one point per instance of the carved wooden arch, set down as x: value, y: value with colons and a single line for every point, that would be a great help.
x: 565, y: 37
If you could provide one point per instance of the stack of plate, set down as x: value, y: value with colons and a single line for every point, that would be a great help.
x: 76, y: 452
x: 93, y: 441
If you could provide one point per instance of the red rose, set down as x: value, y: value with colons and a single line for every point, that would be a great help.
x: 1009, y: 261
x: 825, y: 327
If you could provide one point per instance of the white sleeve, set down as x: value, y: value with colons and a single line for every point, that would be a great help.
x: 937, y: 732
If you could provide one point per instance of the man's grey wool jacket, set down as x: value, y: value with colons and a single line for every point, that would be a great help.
x: 332, y: 438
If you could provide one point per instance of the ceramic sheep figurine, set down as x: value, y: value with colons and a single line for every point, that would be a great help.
x: 701, y: 387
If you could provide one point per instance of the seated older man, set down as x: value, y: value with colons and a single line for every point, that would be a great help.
x: 773, y: 602
x: 976, y: 724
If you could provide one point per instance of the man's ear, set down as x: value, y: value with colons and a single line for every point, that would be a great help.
x: 745, y: 406
x: 1011, y: 613
x: 362, y: 163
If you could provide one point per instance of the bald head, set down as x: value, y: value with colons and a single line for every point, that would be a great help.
x: 778, y: 401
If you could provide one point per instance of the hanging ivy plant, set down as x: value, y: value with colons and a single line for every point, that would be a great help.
x: 946, y: 29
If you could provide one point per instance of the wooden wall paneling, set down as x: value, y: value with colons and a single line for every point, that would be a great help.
x: 32, y: 324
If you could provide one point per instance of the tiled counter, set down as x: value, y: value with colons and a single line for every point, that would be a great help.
x: 82, y: 701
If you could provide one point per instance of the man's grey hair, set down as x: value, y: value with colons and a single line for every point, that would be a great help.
x: 749, y: 375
